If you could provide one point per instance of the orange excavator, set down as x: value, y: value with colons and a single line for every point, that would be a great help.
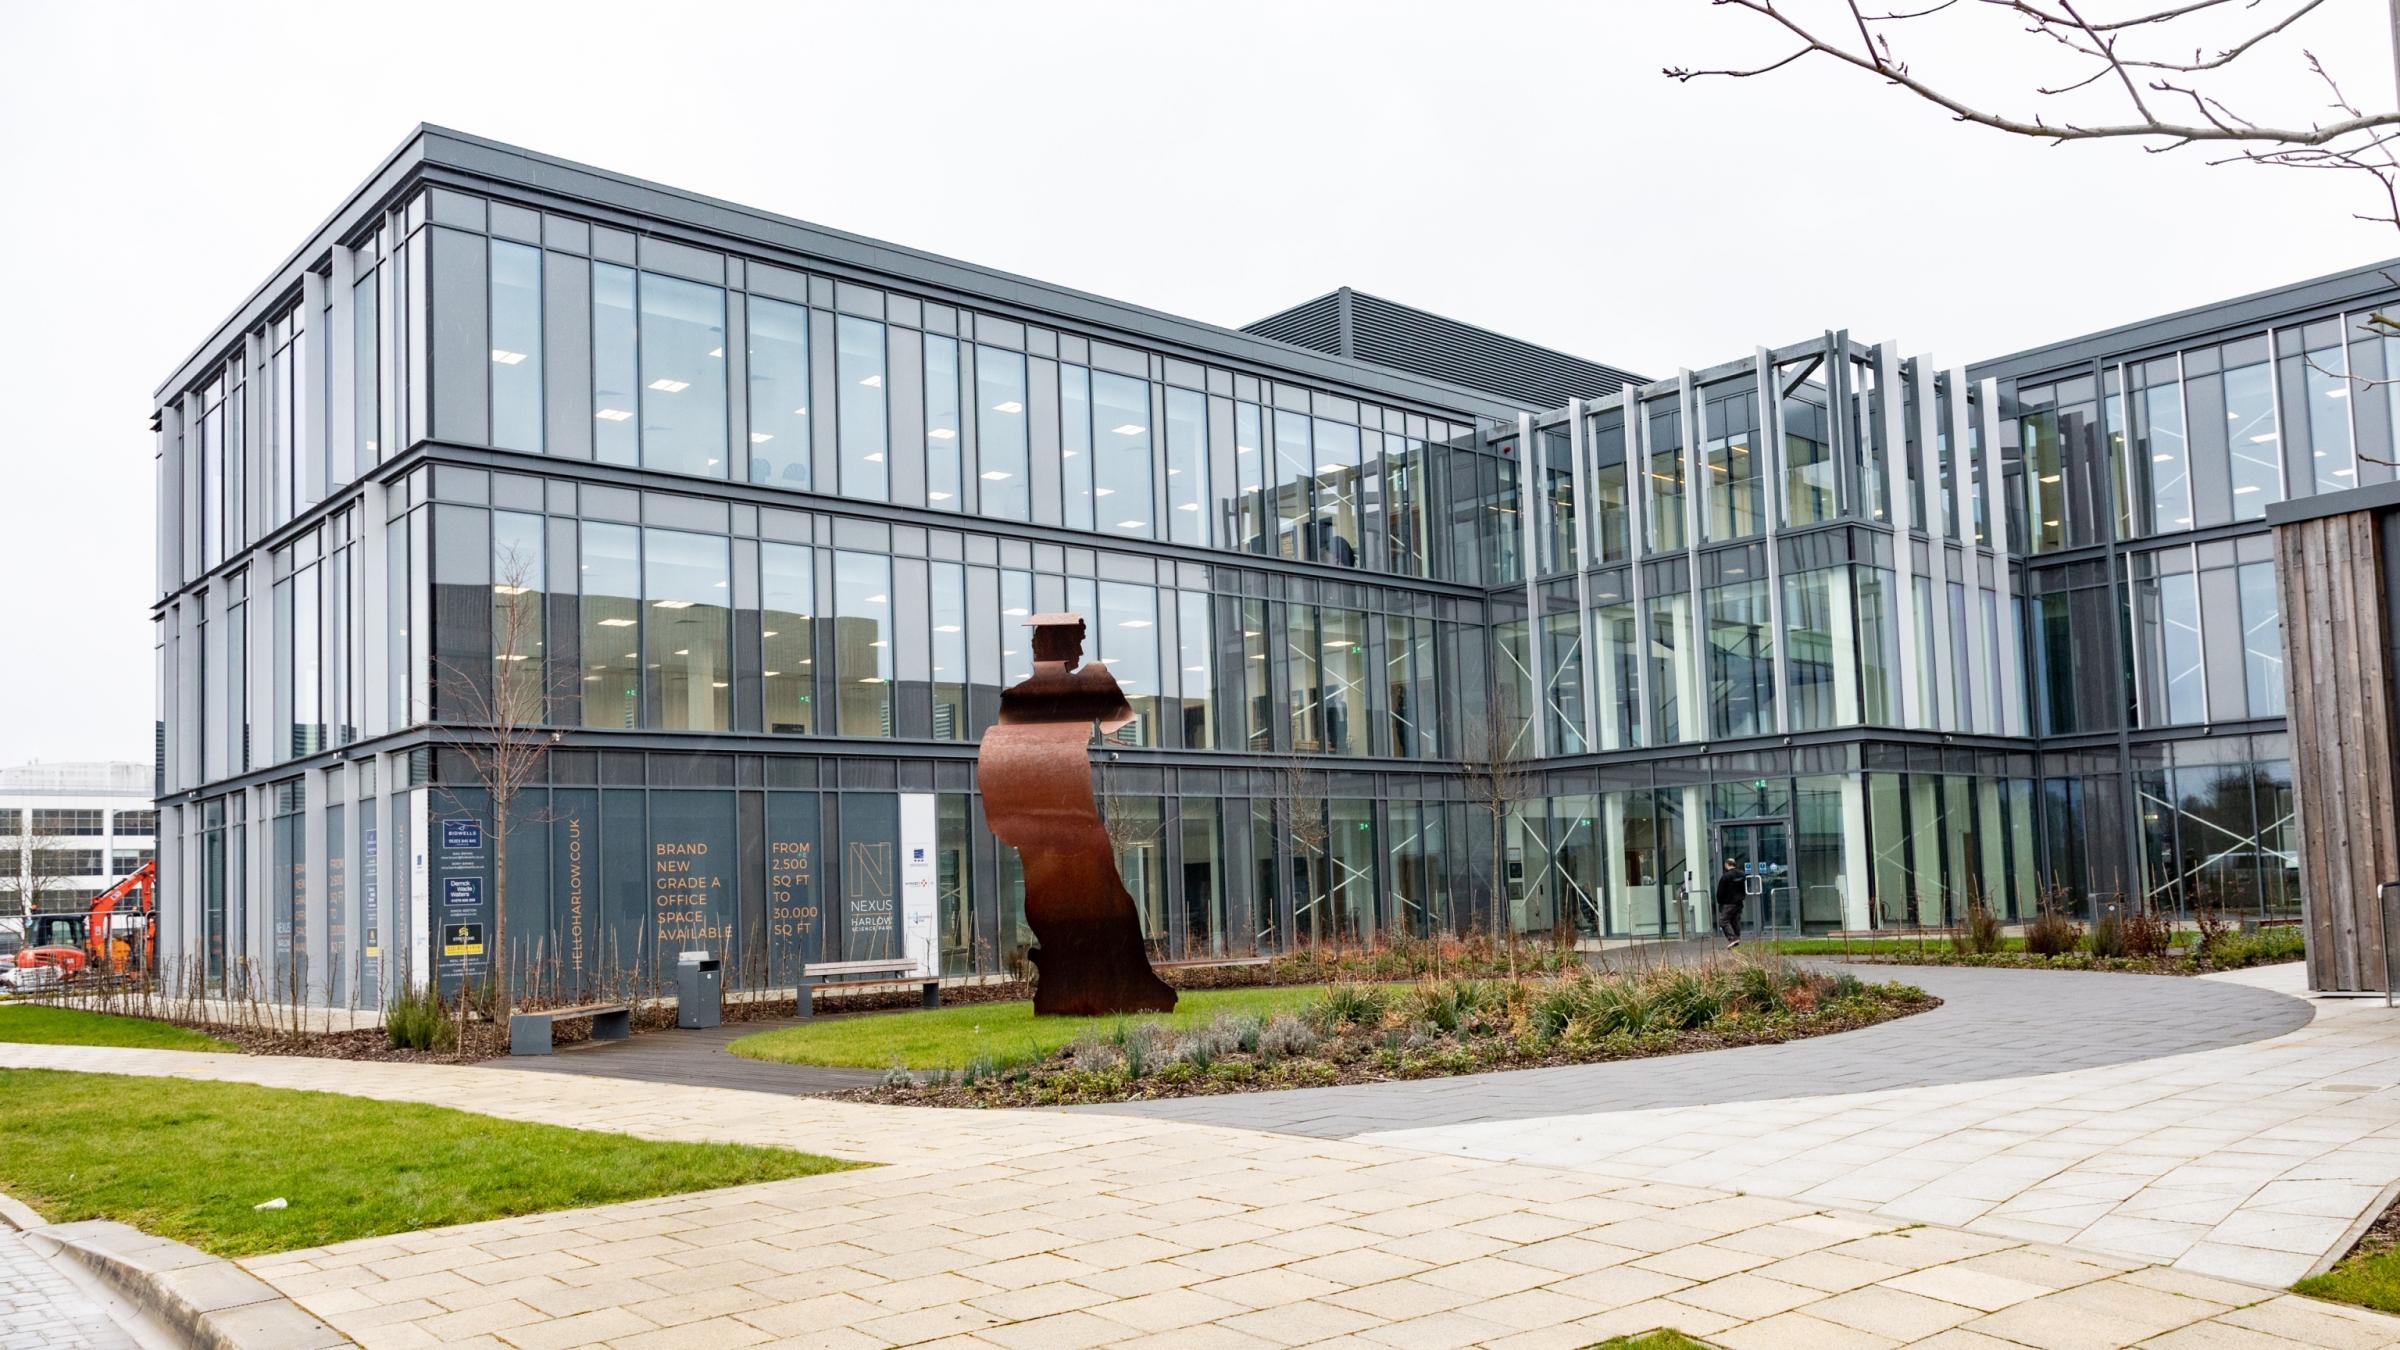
x: 116, y: 935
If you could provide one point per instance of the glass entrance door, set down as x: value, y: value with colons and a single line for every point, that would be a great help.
x: 1762, y: 850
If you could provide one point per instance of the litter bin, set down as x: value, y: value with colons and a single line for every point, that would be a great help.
x: 699, y: 991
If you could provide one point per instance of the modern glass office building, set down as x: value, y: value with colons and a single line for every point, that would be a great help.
x: 743, y: 516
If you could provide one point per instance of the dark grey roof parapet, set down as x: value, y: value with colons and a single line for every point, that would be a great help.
x: 1364, y: 327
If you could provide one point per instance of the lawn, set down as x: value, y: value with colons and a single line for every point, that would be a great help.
x: 40, y: 1024
x: 190, y: 1160
x: 1652, y: 1340
x: 2369, y: 1275
x: 947, y: 1038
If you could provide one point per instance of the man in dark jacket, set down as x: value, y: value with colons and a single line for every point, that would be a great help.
x: 1730, y: 896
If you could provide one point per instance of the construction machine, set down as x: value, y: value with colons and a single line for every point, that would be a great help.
x: 115, y: 935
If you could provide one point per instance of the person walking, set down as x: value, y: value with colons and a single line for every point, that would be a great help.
x: 1730, y: 896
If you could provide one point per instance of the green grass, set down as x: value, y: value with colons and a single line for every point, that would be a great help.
x: 189, y: 1160
x: 946, y: 1038
x: 2370, y: 1280
x: 1653, y: 1340
x: 39, y: 1024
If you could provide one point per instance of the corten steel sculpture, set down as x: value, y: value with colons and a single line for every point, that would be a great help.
x: 1036, y: 775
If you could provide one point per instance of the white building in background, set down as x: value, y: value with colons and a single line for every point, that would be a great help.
x: 69, y: 831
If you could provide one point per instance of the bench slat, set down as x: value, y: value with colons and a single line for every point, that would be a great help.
x: 858, y: 967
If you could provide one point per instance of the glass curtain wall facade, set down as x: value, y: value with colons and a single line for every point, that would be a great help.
x: 750, y: 535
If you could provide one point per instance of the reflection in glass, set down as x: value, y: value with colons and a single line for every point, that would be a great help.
x: 1808, y: 466
x: 779, y: 393
x: 1255, y: 696
x: 1815, y: 609
x: 1672, y: 717
x: 2262, y: 639
x: 1611, y: 505
x: 683, y: 376
x: 616, y: 367
x: 1203, y: 878
x: 862, y: 646
x: 941, y: 423
x: 1002, y: 488
x: 1196, y: 654
x: 1336, y: 529
x: 1293, y: 511
x: 949, y: 616
x: 520, y: 677
x: 1618, y: 672
x: 687, y: 656
x: 1409, y: 489
x: 1664, y: 437
x: 1878, y: 647
x: 1120, y: 437
x: 1248, y: 514
x: 2045, y: 473
x: 1741, y: 660
x: 1736, y: 484
x: 516, y: 347
x: 1415, y: 718
x: 1075, y: 444
x: 787, y: 603
x: 2160, y: 453
x: 2256, y: 446
x: 1127, y: 639
x: 1343, y: 646
x: 1187, y: 466
x: 1562, y: 699
x: 862, y: 427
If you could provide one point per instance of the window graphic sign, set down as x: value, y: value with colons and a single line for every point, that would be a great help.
x: 462, y: 939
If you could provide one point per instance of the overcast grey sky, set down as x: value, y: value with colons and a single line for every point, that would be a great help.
x: 1521, y: 166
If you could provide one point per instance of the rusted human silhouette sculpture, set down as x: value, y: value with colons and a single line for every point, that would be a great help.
x: 1036, y: 774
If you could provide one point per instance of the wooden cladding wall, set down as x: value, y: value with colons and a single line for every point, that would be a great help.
x: 2337, y: 665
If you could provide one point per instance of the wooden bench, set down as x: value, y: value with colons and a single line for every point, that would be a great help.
x: 843, y: 974
x: 529, y: 1032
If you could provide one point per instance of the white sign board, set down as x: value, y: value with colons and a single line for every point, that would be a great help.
x: 919, y: 923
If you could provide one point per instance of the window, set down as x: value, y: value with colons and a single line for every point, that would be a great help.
x: 1562, y: 699
x: 1249, y: 478
x: 1408, y: 488
x: 862, y: 642
x: 1736, y: 486
x: 2166, y: 608
x: 1559, y: 536
x: 779, y: 394
x: 948, y: 612
x: 134, y: 823
x: 1604, y: 440
x: 862, y: 427
x: 1003, y: 487
x: 1741, y: 661
x: 1664, y: 435
x: 1120, y: 437
x: 941, y: 423
x: 688, y: 639
x: 1075, y: 444
x: 2262, y: 639
x: 124, y: 862
x: 1196, y: 642
x: 1127, y: 640
x: 1336, y: 529
x: 1343, y: 651
x: 616, y: 367
x: 2255, y: 446
x: 287, y: 491
x: 516, y: 347
x: 519, y: 666
x: 2045, y: 470
x: 1671, y: 715
x: 62, y: 822
x: 1813, y: 639
x: 1619, y: 720
x: 366, y: 395
x: 1414, y: 717
x: 612, y: 631
x: 2159, y: 457
x: 1294, y: 513
x: 787, y: 598
x: 1256, y: 696
x: 683, y: 376
x: 1187, y: 467
x: 2316, y: 387
x: 1807, y: 464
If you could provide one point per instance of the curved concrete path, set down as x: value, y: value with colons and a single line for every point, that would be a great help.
x: 1992, y: 1024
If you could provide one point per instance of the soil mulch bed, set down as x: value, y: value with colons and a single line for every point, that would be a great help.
x: 1365, y: 1057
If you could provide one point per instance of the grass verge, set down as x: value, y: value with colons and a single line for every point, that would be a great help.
x: 1662, y: 1339
x: 189, y: 1160
x: 2369, y: 1274
x: 948, y: 1038
x: 40, y: 1024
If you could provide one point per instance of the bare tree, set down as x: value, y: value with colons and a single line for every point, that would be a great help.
x: 1498, y: 779
x: 497, y: 720
x: 2163, y: 77
x: 1300, y: 802
x: 39, y: 870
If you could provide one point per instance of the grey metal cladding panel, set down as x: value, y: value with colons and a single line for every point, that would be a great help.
x: 2251, y: 311
x: 567, y: 355
x: 1314, y: 323
x: 461, y: 370
x: 447, y: 154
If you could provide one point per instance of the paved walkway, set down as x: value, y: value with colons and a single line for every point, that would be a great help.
x: 695, y: 1057
x: 1993, y: 1024
x: 41, y: 1309
x: 1032, y: 1230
